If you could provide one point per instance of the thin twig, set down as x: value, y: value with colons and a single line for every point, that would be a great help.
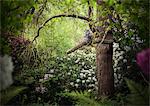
x: 144, y: 78
x: 103, y: 38
x: 90, y: 14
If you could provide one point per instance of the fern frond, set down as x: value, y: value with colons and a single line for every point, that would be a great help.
x: 83, y: 98
x: 139, y: 94
x: 9, y: 93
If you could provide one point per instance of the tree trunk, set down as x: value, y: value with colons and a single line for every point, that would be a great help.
x: 104, y: 54
x: 104, y: 70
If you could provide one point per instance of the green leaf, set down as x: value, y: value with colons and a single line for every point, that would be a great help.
x: 110, y: 2
x: 139, y: 94
x: 83, y: 99
x: 9, y: 93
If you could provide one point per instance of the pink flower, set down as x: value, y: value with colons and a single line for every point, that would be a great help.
x: 143, y: 60
x: 41, y: 89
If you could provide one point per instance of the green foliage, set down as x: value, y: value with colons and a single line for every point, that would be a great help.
x: 40, y: 104
x: 30, y: 76
x: 85, y: 99
x: 4, y: 47
x: 60, y: 36
x: 59, y: 73
x: 9, y: 93
x: 66, y: 68
x: 46, y: 55
x: 139, y: 93
x: 134, y: 14
x: 14, y: 14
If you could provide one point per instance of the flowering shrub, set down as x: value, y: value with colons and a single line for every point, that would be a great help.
x: 72, y: 72
x: 143, y: 61
x: 119, y: 61
x: 14, y: 46
x: 77, y: 69
x: 124, y: 59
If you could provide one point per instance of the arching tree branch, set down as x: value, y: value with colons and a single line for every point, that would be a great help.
x: 58, y: 16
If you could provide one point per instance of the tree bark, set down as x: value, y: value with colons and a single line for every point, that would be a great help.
x: 104, y: 70
x: 104, y: 53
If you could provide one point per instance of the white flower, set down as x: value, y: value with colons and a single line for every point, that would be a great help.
x: 84, y: 75
x: 128, y: 67
x: 68, y: 59
x: 76, y: 85
x: 46, y: 76
x: 83, y: 81
x: 81, y: 74
x: 43, y: 89
x: 119, y: 76
x: 139, y: 41
x: 90, y: 78
x: 119, y: 49
x: 71, y: 83
x: 96, y: 87
x: 122, y: 52
x: 52, y: 71
x: 37, y: 89
x: 74, y: 75
x: 137, y: 38
x: 93, y: 67
x: 77, y: 60
x: 50, y: 75
x: 115, y: 45
x: 69, y: 73
x: 127, y: 48
x: 115, y: 75
x: 87, y: 80
x: 115, y: 69
x: 85, y: 71
x: 66, y: 90
x: 115, y: 81
x: 89, y: 90
x: 124, y: 60
x: 94, y: 79
x: 89, y: 74
x: 133, y: 38
x: 41, y: 80
x: 115, y: 65
x: 121, y: 57
x: 78, y: 80
x: 118, y: 68
x: 96, y: 83
x: 92, y: 85
x: 93, y: 72
x: 114, y: 58
x: 83, y: 63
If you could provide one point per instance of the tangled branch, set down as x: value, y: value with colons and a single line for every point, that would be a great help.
x: 59, y: 16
